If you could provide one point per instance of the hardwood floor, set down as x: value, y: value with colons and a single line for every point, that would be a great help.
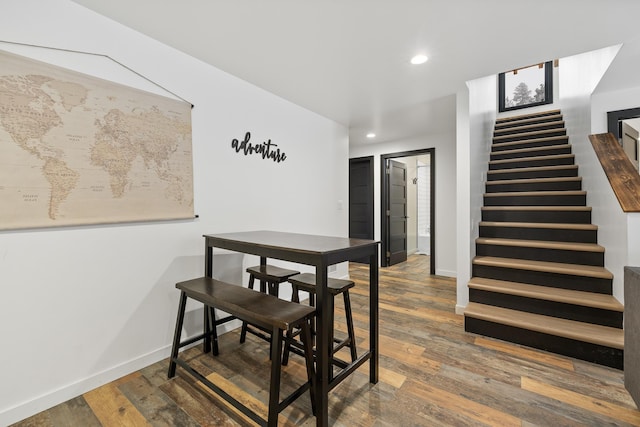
x: 432, y: 373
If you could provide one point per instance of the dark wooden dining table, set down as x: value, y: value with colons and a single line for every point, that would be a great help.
x: 319, y: 252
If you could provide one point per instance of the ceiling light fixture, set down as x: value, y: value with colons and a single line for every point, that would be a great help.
x: 419, y: 59
x: 371, y: 135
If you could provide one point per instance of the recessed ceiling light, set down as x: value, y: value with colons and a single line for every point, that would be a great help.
x: 419, y: 59
x: 371, y: 135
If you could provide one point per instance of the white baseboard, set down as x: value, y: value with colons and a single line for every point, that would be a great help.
x: 48, y: 400
x: 460, y: 309
x: 70, y: 391
x: 445, y: 273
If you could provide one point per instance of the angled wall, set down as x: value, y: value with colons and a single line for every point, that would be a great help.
x: 82, y: 306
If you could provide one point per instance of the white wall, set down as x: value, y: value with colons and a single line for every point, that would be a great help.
x: 475, y: 130
x: 579, y: 76
x: 629, y: 224
x: 464, y: 249
x: 81, y: 306
x: 445, y: 200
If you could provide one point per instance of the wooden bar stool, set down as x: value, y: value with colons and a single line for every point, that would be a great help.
x: 307, y: 282
x: 270, y: 278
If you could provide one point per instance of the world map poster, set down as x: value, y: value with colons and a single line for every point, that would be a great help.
x: 76, y: 149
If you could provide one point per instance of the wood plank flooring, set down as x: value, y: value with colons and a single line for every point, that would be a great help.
x: 432, y: 373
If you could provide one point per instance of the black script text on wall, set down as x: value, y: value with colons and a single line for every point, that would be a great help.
x: 266, y: 149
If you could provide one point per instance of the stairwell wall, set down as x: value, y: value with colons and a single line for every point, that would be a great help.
x: 579, y: 76
x: 475, y: 130
x: 601, y: 103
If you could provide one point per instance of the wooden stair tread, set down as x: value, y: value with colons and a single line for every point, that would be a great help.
x: 552, y: 225
x: 541, y: 244
x: 539, y: 114
x: 528, y: 159
x: 536, y: 208
x: 580, y: 331
x: 537, y: 193
x: 533, y: 169
x: 526, y: 134
x: 523, y: 128
x: 533, y: 149
x: 545, y: 266
x: 567, y: 296
x: 551, y: 117
x: 534, y: 180
x: 527, y: 141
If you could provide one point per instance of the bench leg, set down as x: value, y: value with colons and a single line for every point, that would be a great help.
x: 274, y: 388
x: 312, y: 303
x: 243, y: 331
x: 176, y: 336
x: 206, y: 328
x: 285, y: 355
x: 305, y: 335
x: 214, y: 330
x: 350, y: 330
x: 295, y: 297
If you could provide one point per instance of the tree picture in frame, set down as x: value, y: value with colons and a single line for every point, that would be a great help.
x: 526, y: 87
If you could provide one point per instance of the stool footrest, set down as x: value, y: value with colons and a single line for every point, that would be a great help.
x: 225, y: 320
x: 197, y: 338
x: 260, y: 333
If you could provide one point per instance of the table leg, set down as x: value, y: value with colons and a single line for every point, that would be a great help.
x: 323, y: 349
x: 208, y: 271
x: 374, y: 344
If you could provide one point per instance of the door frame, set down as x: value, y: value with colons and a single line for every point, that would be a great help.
x: 384, y: 200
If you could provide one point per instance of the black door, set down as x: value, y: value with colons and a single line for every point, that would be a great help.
x: 361, y: 200
x: 396, y: 212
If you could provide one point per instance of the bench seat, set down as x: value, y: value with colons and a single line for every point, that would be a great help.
x: 255, y: 307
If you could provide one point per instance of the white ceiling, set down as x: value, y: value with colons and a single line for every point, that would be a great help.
x: 348, y: 60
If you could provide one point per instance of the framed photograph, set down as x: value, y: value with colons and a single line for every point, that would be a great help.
x: 526, y: 87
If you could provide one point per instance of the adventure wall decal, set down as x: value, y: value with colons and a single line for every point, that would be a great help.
x: 267, y: 149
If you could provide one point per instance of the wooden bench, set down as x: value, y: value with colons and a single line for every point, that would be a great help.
x: 263, y: 310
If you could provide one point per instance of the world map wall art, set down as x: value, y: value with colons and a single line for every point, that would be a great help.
x: 76, y: 149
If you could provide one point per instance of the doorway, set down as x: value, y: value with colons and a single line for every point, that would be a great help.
x: 415, y: 211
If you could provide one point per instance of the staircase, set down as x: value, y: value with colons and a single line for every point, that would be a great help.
x: 538, y: 275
